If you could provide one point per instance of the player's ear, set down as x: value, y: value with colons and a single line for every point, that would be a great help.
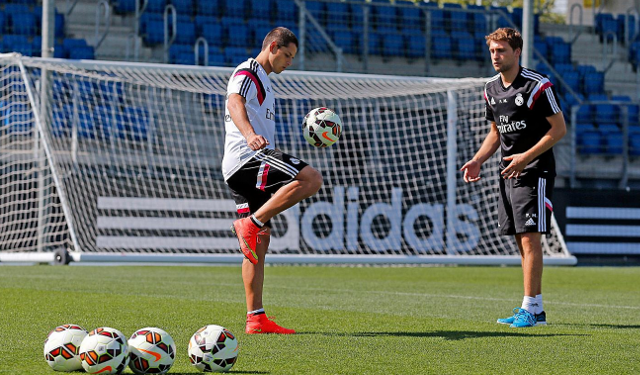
x: 273, y: 47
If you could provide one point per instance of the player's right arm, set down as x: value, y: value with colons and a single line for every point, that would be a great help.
x: 489, y: 146
x: 238, y: 113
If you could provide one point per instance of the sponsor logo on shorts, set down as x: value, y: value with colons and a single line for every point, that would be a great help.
x: 295, y: 161
x: 530, y: 223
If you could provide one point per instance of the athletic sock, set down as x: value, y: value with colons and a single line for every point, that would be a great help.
x: 256, y: 312
x: 529, y: 304
x: 257, y: 222
x: 540, y: 308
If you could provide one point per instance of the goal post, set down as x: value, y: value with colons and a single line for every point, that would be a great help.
x: 130, y: 169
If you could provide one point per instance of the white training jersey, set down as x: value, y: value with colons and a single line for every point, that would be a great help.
x: 250, y: 81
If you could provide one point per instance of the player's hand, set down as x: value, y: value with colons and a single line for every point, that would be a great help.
x: 471, y: 171
x: 517, y: 165
x: 257, y: 142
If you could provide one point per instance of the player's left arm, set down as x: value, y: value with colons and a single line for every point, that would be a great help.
x: 520, y: 161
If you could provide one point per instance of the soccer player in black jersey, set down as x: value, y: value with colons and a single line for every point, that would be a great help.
x: 526, y: 121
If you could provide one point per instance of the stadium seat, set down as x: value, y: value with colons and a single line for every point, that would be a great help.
x: 585, y: 69
x: 286, y: 11
x: 347, y: 40
x: 186, y: 33
x: 411, y: 16
x: 416, y: 46
x: 463, y: 46
x: 70, y: 43
x: 124, y: 6
x: 441, y: 46
x: 213, y: 34
x: 216, y: 59
x: 593, y: 83
x: 612, y: 139
x: 209, y: 8
x: 572, y: 79
x: 235, y: 55
x: 237, y: 35
x: 437, y: 18
x: 588, y: 139
x: 9, y: 41
x: 609, y: 27
x: 456, y: 20
x: 200, y: 21
x: 11, y: 9
x: 82, y: 53
x: 560, y: 52
x: 156, y: 6
x: 184, y: 6
x: 235, y: 9
x: 386, y: 17
x: 136, y: 124
x: 155, y: 32
x: 542, y: 48
x: 259, y: 32
x: 375, y: 44
x: 338, y: 13
x: 317, y: 10
x: 23, y: 24
x: 392, y: 43
x: 261, y: 9
x: 603, y: 113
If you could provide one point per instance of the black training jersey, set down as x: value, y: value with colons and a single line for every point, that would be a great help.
x: 520, y: 113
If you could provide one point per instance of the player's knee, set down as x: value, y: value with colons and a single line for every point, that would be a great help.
x: 314, y: 180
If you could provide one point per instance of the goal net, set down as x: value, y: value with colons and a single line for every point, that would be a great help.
x: 116, y: 161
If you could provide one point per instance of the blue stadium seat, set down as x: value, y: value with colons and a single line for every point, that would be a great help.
x: 235, y: 9
x: 437, y: 18
x: 441, y: 46
x: 464, y: 47
x: 568, y: 102
x: 412, y: 16
x: 23, y: 23
x: 456, y: 20
x: 177, y: 49
x: 286, y: 11
x: 156, y: 6
x: 237, y: 35
x: 317, y: 10
x: 357, y: 17
x: 9, y: 41
x: 186, y: 33
x: 216, y: 59
x: 184, y: 6
x: 392, y: 42
x: 155, y: 32
x: 61, y: 125
x: 386, y: 17
x: 124, y: 6
x: 588, y: 139
x: 103, y: 117
x: 585, y: 69
x: 375, y: 44
x: 136, y: 125
x: 209, y: 8
x: 200, y: 21
x: 18, y: 118
x: 82, y: 53
x: 612, y: 138
x: 593, y: 83
x: 573, y: 81
x: 259, y: 32
x: 609, y: 24
x: 213, y: 34
x: 70, y: 43
x: 416, y: 46
x: 338, y: 13
x: 560, y: 52
x: 3, y: 22
x: 634, y: 143
x: 235, y: 55
x: 603, y: 113
x: 542, y: 48
x: 11, y: 9
x: 261, y: 9
x: 347, y: 40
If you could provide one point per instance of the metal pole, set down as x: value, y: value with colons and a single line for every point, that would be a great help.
x: 574, y: 121
x: 48, y: 34
x: 452, y: 168
x: 625, y: 146
x: 303, y: 35
x: 527, y: 34
x: 365, y: 38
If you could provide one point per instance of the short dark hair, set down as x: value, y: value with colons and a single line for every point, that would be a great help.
x: 282, y: 36
x: 506, y: 34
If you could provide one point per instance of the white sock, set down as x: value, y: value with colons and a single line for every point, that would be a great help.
x: 529, y: 304
x: 255, y: 311
x: 257, y: 222
x: 540, y: 308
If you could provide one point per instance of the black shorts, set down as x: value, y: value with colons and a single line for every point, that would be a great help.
x: 525, y: 204
x: 266, y: 172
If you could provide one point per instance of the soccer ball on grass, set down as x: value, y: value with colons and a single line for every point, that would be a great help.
x: 213, y: 349
x: 104, y: 351
x: 321, y: 127
x: 151, y: 351
x: 62, y: 347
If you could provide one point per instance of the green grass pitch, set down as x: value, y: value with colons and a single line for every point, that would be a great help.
x: 351, y: 320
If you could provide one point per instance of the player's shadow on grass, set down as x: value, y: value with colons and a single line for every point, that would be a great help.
x: 589, y: 325
x: 447, y: 335
x: 230, y: 372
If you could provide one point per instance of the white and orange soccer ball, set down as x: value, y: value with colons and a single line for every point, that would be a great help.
x: 62, y: 347
x: 151, y: 351
x: 321, y: 127
x: 104, y: 351
x: 213, y: 349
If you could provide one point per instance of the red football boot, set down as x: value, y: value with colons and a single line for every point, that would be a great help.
x: 247, y: 233
x: 257, y: 324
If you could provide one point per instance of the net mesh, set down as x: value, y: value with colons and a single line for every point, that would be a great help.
x: 137, y: 150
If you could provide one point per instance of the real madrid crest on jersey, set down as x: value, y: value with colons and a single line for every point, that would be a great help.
x: 519, y: 100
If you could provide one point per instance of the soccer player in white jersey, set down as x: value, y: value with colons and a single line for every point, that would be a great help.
x: 526, y: 121
x: 264, y: 181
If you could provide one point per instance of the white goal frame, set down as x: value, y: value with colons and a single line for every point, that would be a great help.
x: 559, y: 255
